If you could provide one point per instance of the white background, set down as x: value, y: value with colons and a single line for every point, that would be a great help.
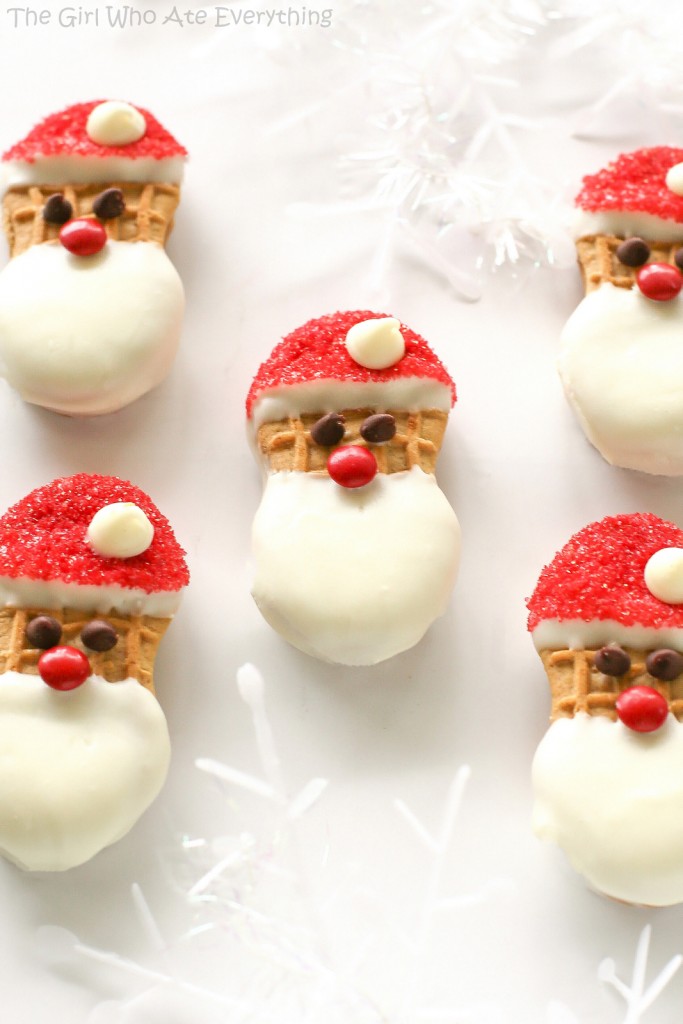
x: 521, y: 478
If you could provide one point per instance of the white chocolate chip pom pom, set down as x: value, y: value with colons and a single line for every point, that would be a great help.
x: 664, y: 575
x: 376, y: 344
x: 120, y: 530
x: 674, y: 179
x: 114, y: 123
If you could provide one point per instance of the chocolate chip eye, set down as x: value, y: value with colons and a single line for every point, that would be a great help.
x: 57, y: 209
x: 378, y: 428
x: 43, y: 632
x: 328, y: 430
x: 109, y: 204
x: 99, y: 636
x: 612, y: 660
x: 634, y: 252
x: 678, y: 258
x: 664, y: 664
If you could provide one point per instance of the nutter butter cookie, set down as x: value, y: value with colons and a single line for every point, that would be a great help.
x: 607, y: 619
x: 356, y: 548
x: 91, y: 575
x: 90, y: 304
x: 621, y: 358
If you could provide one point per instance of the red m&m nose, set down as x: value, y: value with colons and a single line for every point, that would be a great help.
x: 659, y: 281
x: 642, y: 708
x: 63, y: 668
x: 83, y: 236
x: 352, y: 466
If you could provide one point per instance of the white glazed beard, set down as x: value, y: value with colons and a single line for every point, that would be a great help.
x: 612, y: 799
x: 77, y: 769
x: 85, y: 336
x: 621, y: 363
x: 354, y: 576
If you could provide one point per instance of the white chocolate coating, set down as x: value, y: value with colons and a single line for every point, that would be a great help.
x: 77, y: 769
x: 626, y: 224
x: 410, y: 393
x: 621, y: 363
x: 664, y: 575
x: 86, y: 336
x: 114, y: 123
x: 120, y: 530
x: 573, y: 634
x: 56, y: 170
x: 354, y: 576
x: 376, y: 343
x: 26, y: 593
x: 612, y: 799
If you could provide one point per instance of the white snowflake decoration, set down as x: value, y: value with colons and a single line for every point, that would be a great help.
x: 293, y: 972
x: 638, y: 999
x: 282, y: 965
x: 443, y: 156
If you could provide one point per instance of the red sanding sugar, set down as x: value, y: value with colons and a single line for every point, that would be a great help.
x: 42, y: 537
x: 598, y: 574
x: 317, y: 351
x: 64, y: 134
x: 635, y: 182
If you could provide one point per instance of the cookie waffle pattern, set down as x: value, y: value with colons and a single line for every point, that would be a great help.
x: 576, y: 685
x: 148, y: 216
x: 132, y: 657
x: 599, y: 264
x: 287, y: 444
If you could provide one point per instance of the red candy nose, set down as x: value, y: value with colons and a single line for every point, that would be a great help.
x: 352, y: 466
x: 642, y: 708
x: 83, y: 236
x: 63, y: 668
x: 659, y: 281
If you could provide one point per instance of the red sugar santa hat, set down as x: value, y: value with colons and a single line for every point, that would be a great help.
x: 637, y: 183
x: 90, y: 542
x: 96, y: 141
x: 625, y: 569
x: 332, y: 362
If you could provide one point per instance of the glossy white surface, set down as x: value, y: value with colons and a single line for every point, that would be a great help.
x: 354, y: 576
x: 88, y: 335
x: 621, y: 362
x: 515, y: 466
x: 612, y: 799
x: 77, y: 769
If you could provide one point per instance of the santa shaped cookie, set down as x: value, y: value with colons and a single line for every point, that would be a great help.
x: 90, y: 304
x: 90, y: 577
x: 607, y: 619
x: 356, y: 547
x: 621, y: 360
